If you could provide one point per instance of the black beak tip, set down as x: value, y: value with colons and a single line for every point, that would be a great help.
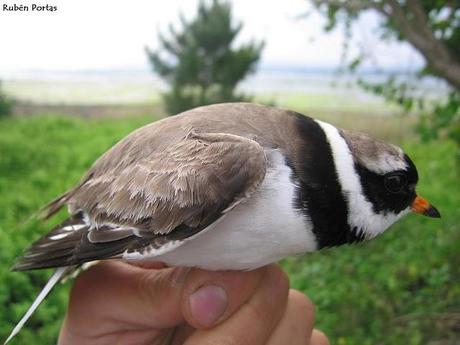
x: 432, y: 212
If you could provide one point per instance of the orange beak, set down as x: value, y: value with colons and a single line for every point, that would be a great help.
x: 422, y: 206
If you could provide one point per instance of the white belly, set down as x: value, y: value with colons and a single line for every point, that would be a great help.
x: 262, y: 230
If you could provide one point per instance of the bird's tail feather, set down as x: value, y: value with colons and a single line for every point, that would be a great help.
x: 55, y: 278
x: 69, y: 244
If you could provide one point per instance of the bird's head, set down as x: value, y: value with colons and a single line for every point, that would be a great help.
x: 387, y: 180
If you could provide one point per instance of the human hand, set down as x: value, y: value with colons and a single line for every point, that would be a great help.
x: 117, y: 303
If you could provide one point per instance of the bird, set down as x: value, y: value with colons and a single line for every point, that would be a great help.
x: 231, y: 186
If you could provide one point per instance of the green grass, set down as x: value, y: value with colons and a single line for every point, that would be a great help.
x: 402, y: 288
x: 331, y: 101
x: 145, y: 91
x: 83, y: 92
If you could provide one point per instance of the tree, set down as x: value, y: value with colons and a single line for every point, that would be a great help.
x: 200, y: 63
x: 432, y: 27
x: 5, y: 103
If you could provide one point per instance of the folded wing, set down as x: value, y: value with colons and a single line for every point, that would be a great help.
x: 155, y: 200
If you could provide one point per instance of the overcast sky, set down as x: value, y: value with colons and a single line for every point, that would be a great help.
x: 112, y: 34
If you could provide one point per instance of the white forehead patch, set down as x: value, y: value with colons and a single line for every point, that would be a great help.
x: 360, y: 212
x: 385, y: 162
x: 373, y: 154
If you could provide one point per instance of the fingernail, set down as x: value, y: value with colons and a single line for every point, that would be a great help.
x: 208, y: 304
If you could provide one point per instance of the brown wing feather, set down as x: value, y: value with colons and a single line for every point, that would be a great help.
x: 166, y: 196
x: 186, y: 183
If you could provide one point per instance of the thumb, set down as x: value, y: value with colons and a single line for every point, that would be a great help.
x: 210, y: 297
x: 113, y: 296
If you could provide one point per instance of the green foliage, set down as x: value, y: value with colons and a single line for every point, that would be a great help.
x: 200, y: 63
x: 402, y: 288
x: 438, y: 118
x: 433, y: 28
x: 443, y: 17
x: 5, y: 104
x: 447, y: 119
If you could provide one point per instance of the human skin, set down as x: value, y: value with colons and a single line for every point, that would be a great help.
x: 118, y: 303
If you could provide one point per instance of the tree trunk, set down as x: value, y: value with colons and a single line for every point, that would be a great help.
x: 417, y: 30
x: 412, y: 22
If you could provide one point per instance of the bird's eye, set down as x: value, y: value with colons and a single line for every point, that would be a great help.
x: 395, y: 183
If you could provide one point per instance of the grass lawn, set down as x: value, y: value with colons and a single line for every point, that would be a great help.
x: 83, y: 92
x: 402, y: 288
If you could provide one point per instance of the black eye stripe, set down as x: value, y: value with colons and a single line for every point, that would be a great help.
x: 395, y: 182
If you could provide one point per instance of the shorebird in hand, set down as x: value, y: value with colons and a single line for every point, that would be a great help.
x: 228, y: 187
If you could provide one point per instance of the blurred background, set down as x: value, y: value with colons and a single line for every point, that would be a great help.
x: 77, y: 79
